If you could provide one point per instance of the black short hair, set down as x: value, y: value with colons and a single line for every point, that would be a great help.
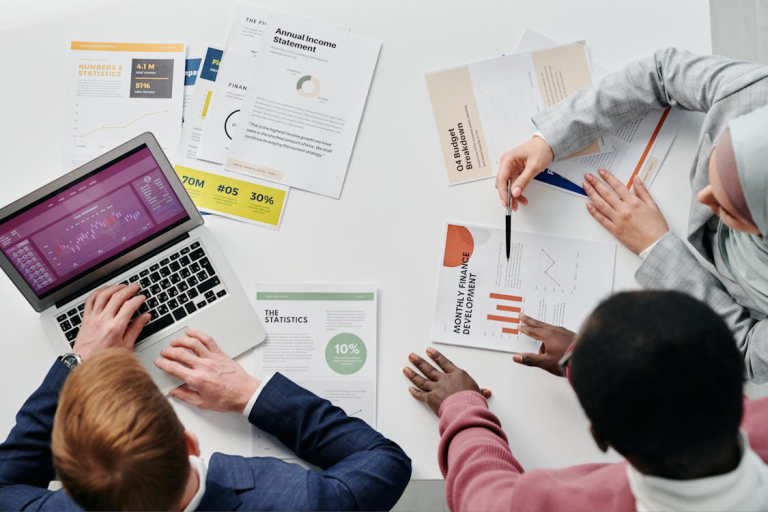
x: 660, y: 378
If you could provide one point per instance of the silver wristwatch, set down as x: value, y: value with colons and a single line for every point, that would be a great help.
x: 72, y: 360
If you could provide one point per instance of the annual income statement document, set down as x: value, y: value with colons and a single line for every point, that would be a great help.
x: 301, y: 112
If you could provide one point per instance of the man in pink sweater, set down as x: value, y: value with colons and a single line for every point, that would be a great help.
x: 666, y: 394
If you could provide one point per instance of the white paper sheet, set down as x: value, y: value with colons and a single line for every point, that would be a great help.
x: 191, y: 70
x: 225, y: 103
x: 636, y: 148
x: 323, y: 337
x: 484, y: 108
x: 212, y: 188
x: 480, y: 294
x: 298, y: 127
x: 196, y: 107
x: 116, y: 91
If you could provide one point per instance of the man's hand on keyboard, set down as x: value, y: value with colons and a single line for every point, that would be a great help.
x: 214, y: 380
x: 107, y: 320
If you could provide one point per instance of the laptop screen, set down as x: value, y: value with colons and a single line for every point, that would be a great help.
x: 90, y: 222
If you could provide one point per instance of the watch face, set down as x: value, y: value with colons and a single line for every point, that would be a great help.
x: 70, y: 360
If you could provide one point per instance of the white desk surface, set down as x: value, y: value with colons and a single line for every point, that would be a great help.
x: 387, y: 226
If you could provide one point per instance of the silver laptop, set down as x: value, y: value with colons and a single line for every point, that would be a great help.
x: 122, y: 218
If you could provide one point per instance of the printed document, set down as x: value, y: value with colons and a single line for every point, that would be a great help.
x: 191, y: 70
x: 196, y: 108
x: 299, y: 126
x: 225, y: 101
x: 636, y: 149
x: 116, y: 91
x: 212, y: 188
x: 322, y: 337
x: 216, y: 191
x: 480, y: 294
x: 484, y: 108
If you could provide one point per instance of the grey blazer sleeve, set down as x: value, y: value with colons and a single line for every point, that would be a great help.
x: 671, y: 266
x: 671, y: 78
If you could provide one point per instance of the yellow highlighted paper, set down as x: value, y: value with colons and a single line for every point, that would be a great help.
x: 234, y: 198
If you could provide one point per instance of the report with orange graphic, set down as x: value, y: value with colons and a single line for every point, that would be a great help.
x: 484, y: 108
x: 481, y: 294
x: 116, y: 91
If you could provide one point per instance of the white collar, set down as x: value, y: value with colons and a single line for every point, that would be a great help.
x: 197, y: 464
x: 745, y: 488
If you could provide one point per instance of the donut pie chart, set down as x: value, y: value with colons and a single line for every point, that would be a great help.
x: 313, y: 90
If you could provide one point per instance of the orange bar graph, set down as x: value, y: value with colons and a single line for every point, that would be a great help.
x: 513, y: 309
x: 504, y: 319
x: 513, y: 298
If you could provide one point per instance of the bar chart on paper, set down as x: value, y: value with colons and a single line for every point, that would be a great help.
x: 481, y: 294
x: 504, y: 313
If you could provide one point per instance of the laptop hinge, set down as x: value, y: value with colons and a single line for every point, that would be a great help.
x: 134, y: 263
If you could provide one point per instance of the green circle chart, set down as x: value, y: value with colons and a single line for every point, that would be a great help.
x: 315, y: 86
x: 345, y: 353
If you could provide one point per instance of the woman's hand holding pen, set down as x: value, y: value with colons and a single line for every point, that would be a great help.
x: 520, y: 165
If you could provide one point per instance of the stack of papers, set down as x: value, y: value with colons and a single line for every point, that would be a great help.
x: 278, y: 107
x: 638, y: 148
x: 484, y: 109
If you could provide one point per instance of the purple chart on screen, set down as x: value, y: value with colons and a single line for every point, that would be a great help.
x: 91, y: 221
x: 110, y: 222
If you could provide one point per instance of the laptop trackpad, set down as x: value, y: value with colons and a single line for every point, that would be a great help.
x: 147, y: 355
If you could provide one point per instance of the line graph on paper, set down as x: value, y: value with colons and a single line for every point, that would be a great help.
x: 114, y: 124
x: 551, y: 268
x: 124, y: 126
x: 97, y: 128
x: 557, y: 270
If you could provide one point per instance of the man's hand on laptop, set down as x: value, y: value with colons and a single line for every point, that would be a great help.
x: 213, y: 379
x: 107, y: 320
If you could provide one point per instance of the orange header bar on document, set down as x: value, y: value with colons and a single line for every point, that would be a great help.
x: 126, y: 47
x: 649, y: 146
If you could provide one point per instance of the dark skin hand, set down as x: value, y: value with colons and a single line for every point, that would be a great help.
x: 554, y: 343
x: 436, y: 385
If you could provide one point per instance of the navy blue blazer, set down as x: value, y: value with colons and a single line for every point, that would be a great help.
x: 359, y: 469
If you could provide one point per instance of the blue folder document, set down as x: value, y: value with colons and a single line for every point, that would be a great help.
x: 555, y: 180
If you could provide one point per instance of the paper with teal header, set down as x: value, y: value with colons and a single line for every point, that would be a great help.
x: 323, y: 337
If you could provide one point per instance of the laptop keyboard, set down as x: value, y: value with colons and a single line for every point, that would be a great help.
x: 175, y: 287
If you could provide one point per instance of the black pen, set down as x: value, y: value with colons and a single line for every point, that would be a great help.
x: 509, y: 215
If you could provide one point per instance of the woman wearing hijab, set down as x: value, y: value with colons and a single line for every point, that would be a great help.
x: 728, y: 224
